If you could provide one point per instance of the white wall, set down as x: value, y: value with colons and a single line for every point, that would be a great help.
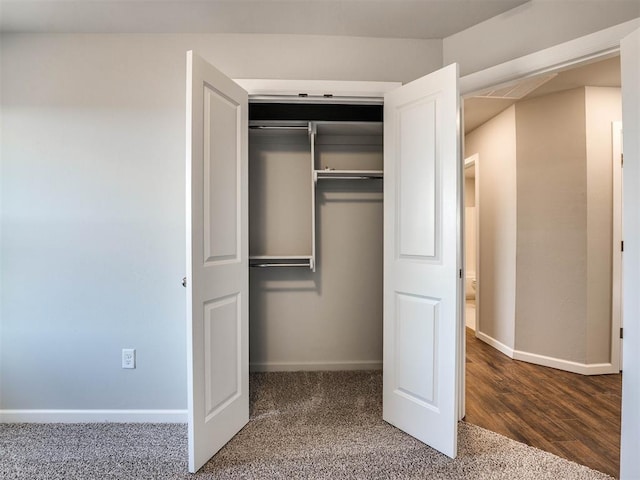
x: 495, y: 142
x: 92, y: 192
x: 531, y: 27
x: 93, y: 221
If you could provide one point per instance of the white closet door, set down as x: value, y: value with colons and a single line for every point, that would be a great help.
x: 421, y: 263
x: 217, y: 259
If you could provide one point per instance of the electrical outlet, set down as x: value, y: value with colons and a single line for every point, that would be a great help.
x: 128, y: 358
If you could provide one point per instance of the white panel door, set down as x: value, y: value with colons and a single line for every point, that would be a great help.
x: 630, y: 62
x: 421, y: 258
x: 217, y: 259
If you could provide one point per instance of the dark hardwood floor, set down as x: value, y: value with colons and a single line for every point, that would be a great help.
x: 573, y: 416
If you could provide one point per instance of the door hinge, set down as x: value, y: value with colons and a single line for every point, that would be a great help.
x: 460, y: 273
x: 621, y: 332
x: 622, y: 159
x: 622, y: 246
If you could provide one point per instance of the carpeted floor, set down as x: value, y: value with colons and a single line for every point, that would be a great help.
x: 303, y: 425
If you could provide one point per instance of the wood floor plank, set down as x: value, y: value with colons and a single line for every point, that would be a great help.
x: 573, y: 416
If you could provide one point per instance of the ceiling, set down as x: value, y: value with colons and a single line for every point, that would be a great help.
x: 604, y: 73
x: 422, y: 19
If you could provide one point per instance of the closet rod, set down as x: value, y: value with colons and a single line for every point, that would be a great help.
x: 265, y: 265
x: 351, y: 177
x: 279, y: 127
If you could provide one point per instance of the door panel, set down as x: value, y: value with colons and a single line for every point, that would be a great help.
x: 223, y: 353
x: 416, y: 325
x: 217, y: 260
x: 221, y: 123
x: 422, y: 259
x: 417, y: 180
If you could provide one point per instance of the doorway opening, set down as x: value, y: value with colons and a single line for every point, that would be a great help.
x: 470, y: 240
x: 315, y: 242
x: 544, y: 185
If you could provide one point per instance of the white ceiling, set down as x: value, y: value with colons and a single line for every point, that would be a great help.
x: 423, y: 19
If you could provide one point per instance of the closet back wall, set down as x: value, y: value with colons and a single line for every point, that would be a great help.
x: 330, y: 318
x: 92, y: 183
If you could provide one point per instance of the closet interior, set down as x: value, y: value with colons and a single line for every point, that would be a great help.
x: 315, y: 236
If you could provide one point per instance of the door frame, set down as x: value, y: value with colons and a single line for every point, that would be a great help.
x: 616, y: 246
x: 615, y: 360
x: 598, y: 45
x: 473, y: 161
x: 269, y: 90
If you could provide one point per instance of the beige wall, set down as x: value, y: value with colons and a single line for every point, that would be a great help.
x: 561, y: 182
x: 330, y: 318
x: 551, y: 262
x: 603, y: 106
x: 470, y: 225
x: 300, y: 319
x: 469, y: 191
x: 470, y: 241
x: 495, y: 142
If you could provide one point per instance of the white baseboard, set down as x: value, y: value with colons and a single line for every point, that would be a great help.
x: 93, y: 416
x: 558, y: 363
x: 501, y: 347
x: 314, y: 366
x: 566, y: 365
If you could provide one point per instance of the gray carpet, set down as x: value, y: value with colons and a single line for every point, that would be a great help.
x: 303, y: 425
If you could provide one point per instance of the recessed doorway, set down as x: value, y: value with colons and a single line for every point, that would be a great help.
x: 523, y: 217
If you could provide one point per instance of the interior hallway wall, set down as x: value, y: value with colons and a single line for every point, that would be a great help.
x: 563, y: 304
x: 495, y: 142
x: 92, y: 195
x: 551, y: 267
x: 603, y: 107
x: 562, y: 170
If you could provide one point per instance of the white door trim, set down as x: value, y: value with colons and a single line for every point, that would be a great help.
x: 317, y: 89
x: 596, y: 45
x: 347, y: 92
x: 616, y: 248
